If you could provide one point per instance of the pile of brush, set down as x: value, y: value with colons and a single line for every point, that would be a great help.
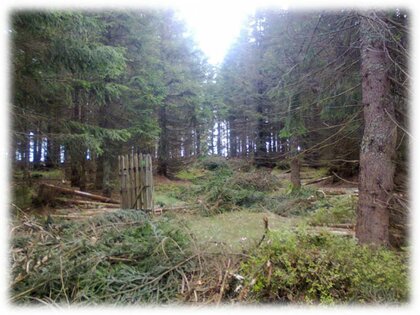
x: 116, y: 258
x: 125, y: 257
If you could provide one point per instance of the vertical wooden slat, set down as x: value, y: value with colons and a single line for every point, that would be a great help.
x: 119, y: 174
x: 147, y: 184
x: 146, y: 199
x: 142, y: 186
x: 151, y: 189
x: 136, y: 174
x: 128, y: 181
x: 133, y: 182
x: 123, y: 184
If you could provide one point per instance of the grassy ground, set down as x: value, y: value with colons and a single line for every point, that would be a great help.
x: 235, y: 230
x: 242, y: 227
x: 191, y: 254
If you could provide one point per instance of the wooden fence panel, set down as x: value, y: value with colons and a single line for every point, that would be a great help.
x: 136, y: 178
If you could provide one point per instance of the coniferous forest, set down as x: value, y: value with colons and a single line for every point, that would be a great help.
x: 279, y: 175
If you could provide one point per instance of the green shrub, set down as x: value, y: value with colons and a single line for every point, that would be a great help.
x: 22, y: 195
x: 190, y: 174
x: 285, y: 206
x: 292, y: 202
x: 214, y: 163
x: 334, y: 210
x: 169, y: 194
x: 119, y: 258
x: 257, y: 180
x: 222, y: 192
x: 303, y: 268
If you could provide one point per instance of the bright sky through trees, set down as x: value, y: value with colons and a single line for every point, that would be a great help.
x: 215, y: 26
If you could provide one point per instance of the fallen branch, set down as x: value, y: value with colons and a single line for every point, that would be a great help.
x: 88, y: 203
x: 80, y: 193
x: 222, y: 287
x: 317, y: 180
x: 344, y: 180
x: 337, y: 226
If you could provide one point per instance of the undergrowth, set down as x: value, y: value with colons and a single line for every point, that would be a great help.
x: 334, y: 210
x: 302, y: 268
x: 225, y: 190
x: 119, y: 258
x: 292, y: 202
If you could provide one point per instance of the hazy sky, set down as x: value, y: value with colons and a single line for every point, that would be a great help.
x: 215, y: 26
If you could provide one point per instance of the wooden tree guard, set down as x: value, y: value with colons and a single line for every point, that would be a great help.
x: 136, y: 179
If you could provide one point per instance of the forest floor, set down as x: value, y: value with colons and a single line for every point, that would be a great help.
x: 222, y: 209
x: 238, y: 230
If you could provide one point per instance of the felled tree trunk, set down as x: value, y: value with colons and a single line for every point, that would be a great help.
x: 77, y: 193
x: 379, y: 138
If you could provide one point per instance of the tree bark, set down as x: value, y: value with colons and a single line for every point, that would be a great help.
x: 211, y: 140
x: 163, y: 153
x: 99, y: 174
x: 294, y: 165
x: 379, y: 138
x: 106, y: 180
x: 78, y: 193
x: 219, y: 139
x: 198, y: 141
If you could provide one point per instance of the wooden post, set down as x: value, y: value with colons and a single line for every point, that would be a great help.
x: 137, y: 186
x: 146, y: 183
x: 142, y: 173
x: 119, y: 174
x: 133, y: 182
x: 128, y: 182
x: 123, y: 183
x: 151, y: 188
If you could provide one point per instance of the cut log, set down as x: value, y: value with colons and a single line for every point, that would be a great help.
x: 80, y: 193
x: 88, y: 203
x: 314, y: 181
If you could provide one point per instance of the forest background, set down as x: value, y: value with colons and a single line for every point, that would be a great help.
x: 6, y: 126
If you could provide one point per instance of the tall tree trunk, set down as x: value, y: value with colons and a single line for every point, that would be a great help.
x: 106, y: 182
x: 198, y: 142
x: 294, y: 164
x: 52, y: 158
x: 211, y: 140
x: 219, y: 139
x: 50, y: 152
x: 379, y: 138
x: 261, y: 154
x: 163, y: 152
x: 227, y: 138
x: 233, y: 142
x: 77, y: 153
x: 37, y: 148
x: 26, y: 146
x: 99, y: 174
